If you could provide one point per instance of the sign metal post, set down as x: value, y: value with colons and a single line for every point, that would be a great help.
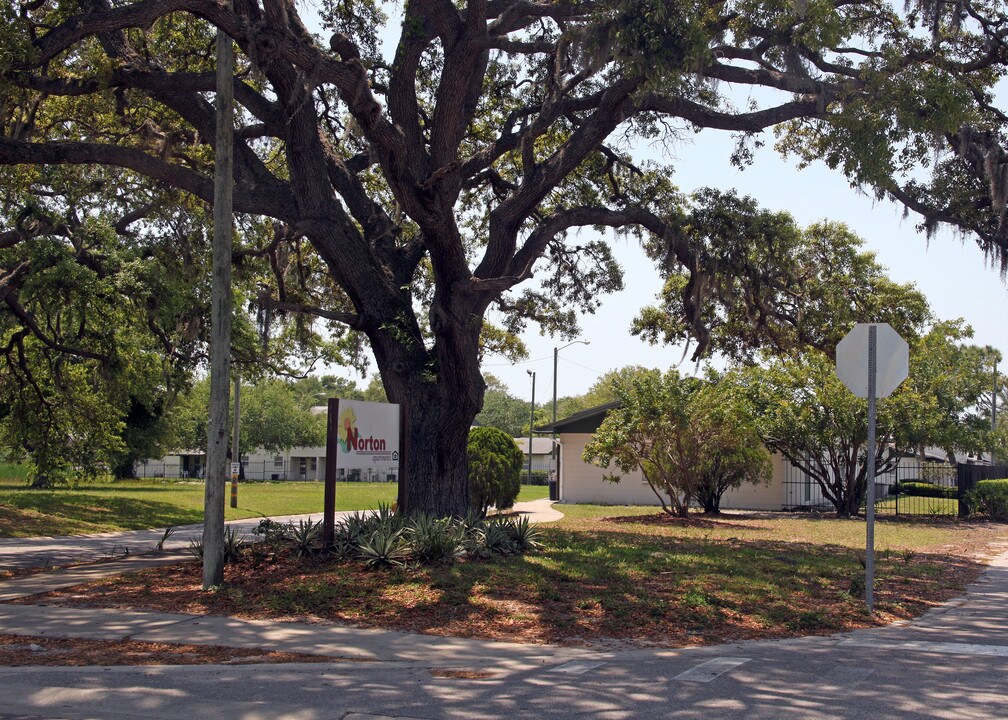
x: 872, y: 360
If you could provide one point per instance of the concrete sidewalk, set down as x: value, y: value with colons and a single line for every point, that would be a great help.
x: 45, y: 552
x: 334, y: 641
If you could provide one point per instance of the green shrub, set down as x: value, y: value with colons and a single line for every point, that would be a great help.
x: 539, y: 477
x: 234, y: 545
x: 524, y: 535
x: 926, y: 489
x: 495, y: 464
x: 990, y: 498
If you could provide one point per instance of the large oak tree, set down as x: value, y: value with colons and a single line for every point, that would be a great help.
x: 433, y: 185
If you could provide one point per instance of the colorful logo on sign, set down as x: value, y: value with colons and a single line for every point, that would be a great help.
x: 348, y: 430
x: 349, y: 436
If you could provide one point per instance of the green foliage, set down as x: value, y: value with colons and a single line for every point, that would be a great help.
x: 434, y: 540
x: 539, y: 477
x: 990, y: 499
x: 502, y: 410
x: 494, y: 467
x: 524, y: 535
x: 806, y: 413
x: 385, y: 547
x: 235, y: 544
x: 305, y: 537
x: 271, y: 532
x: 690, y: 438
x: 926, y: 489
x: 273, y: 417
x: 387, y: 539
x: 940, y: 403
x: 765, y: 284
x: 999, y: 439
x: 494, y: 539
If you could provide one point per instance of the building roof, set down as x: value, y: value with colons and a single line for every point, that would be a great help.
x: 540, y: 445
x: 586, y: 421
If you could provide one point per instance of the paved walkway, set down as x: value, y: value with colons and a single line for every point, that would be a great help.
x: 46, y: 552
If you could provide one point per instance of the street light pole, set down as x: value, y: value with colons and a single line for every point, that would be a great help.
x: 554, y: 450
x: 531, y: 425
x: 993, y: 401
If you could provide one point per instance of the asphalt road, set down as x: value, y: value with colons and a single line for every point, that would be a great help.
x: 812, y: 679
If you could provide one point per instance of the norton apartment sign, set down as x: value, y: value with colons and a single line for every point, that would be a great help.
x: 367, y: 434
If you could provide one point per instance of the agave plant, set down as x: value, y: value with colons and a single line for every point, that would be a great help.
x: 524, y: 535
x: 304, y: 536
x: 168, y: 532
x: 495, y: 539
x: 386, y: 517
x: 434, y: 539
x: 354, y: 527
x: 384, y: 548
x: 234, y: 543
x: 271, y: 531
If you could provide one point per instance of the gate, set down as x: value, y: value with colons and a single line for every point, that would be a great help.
x: 918, y: 489
x: 912, y: 488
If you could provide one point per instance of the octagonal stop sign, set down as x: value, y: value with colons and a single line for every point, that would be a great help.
x: 892, y: 359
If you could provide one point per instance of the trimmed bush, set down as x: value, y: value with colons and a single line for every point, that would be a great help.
x: 539, y: 477
x: 495, y: 464
x: 926, y: 489
x: 990, y: 498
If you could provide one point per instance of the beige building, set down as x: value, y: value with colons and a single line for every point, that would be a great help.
x: 582, y: 482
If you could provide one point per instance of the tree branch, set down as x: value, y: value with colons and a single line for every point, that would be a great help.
x: 275, y: 201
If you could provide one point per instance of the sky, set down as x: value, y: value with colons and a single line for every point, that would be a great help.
x: 950, y: 271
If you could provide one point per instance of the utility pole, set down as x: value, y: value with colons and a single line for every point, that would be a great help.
x: 994, y: 398
x: 220, y: 322
x: 235, y: 456
x: 994, y: 394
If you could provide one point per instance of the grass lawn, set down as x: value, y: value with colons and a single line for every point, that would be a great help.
x: 132, y: 505
x: 604, y: 574
x: 916, y: 505
x: 15, y: 472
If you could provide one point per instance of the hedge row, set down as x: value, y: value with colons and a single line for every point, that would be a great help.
x: 990, y: 498
x: 926, y: 489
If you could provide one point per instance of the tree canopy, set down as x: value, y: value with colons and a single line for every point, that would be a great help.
x: 690, y: 438
x: 822, y: 283
x: 407, y: 201
x: 273, y: 418
x: 805, y: 412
